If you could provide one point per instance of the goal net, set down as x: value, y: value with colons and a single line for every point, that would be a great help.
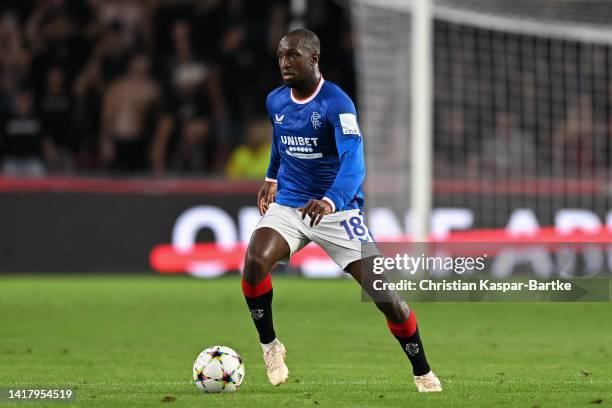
x: 522, y: 112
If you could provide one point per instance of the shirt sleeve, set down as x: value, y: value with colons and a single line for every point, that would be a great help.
x: 274, y: 165
x: 343, y: 117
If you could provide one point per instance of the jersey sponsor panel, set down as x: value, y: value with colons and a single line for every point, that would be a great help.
x: 299, y: 141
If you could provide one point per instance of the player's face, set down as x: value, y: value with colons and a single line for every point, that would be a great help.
x: 294, y: 61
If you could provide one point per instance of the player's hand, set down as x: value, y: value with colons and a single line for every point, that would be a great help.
x: 316, y: 209
x: 265, y: 196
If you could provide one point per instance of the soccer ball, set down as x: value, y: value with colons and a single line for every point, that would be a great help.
x: 218, y: 369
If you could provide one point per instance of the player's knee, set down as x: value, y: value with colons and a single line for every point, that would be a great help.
x: 255, y: 268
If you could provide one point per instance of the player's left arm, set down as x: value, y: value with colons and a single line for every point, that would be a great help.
x: 343, y: 117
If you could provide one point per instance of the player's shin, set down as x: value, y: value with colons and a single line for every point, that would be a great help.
x: 407, y: 334
x: 259, y: 300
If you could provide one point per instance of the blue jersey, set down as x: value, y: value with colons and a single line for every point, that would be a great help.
x: 317, y: 148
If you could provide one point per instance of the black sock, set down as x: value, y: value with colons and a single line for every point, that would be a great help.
x: 413, y: 347
x: 260, y: 305
x: 407, y: 333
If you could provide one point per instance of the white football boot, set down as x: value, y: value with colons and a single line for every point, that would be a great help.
x: 275, y: 363
x: 427, y: 383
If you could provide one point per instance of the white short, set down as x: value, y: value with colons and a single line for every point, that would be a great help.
x: 340, y: 234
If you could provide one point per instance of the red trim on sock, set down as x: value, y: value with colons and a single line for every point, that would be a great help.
x: 405, y: 329
x: 253, y: 291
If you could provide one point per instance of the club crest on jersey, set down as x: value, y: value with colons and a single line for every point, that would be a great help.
x: 412, y: 349
x: 315, y: 119
x: 279, y: 118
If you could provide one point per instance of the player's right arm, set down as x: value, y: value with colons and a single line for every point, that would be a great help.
x: 266, y: 193
x: 265, y: 196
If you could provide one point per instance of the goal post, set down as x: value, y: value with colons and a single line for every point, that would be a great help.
x: 421, y: 108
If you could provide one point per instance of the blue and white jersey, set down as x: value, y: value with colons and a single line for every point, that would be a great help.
x: 317, y: 148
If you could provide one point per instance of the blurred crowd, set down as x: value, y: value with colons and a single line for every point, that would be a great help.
x: 150, y: 87
x: 515, y: 106
x: 177, y: 88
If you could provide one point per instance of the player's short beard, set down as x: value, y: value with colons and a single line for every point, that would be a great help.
x: 291, y: 84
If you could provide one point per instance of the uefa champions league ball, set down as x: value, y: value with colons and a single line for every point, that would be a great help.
x: 218, y: 369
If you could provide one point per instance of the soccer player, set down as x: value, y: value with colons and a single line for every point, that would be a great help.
x: 312, y: 192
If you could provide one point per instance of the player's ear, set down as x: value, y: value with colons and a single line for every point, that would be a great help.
x: 314, y: 59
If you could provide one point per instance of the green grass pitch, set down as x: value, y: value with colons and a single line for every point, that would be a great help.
x: 131, y: 341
